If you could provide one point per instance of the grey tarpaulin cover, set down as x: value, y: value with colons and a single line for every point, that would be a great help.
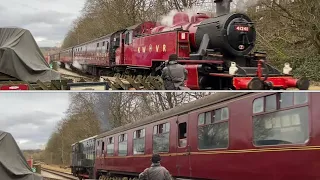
x: 20, y: 57
x: 13, y: 165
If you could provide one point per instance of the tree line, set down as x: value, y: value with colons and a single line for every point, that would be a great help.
x: 92, y: 113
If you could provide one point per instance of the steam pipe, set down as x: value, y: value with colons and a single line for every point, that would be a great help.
x: 222, y: 7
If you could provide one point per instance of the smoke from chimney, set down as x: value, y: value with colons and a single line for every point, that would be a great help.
x: 222, y: 7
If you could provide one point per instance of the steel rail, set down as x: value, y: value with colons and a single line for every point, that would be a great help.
x: 61, y: 174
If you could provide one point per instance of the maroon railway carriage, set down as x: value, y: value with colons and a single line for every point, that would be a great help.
x: 223, y: 136
x: 216, y: 52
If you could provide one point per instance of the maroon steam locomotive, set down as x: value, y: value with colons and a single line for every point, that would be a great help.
x: 215, y: 51
x: 223, y: 136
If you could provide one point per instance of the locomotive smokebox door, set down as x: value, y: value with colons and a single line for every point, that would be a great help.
x: 232, y: 34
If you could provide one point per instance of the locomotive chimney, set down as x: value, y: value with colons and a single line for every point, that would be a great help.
x: 222, y: 7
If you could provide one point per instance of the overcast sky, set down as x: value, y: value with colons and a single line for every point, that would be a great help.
x: 48, y: 20
x: 31, y: 117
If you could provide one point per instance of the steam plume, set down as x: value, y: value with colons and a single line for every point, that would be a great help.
x: 209, y: 9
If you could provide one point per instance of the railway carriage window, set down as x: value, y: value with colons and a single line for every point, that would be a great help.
x: 161, y: 138
x: 220, y: 114
x: 155, y: 130
x: 271, y: 103
x: 161, y: 128
x: 300, y: 98
x: 201, y: 119
x: 102, y: 147
x: 258, y: 105
x: 97, y: 44
x: 110, y: 146
x: 286, y: 100
x: 138, y: 142
x: 183, y: 134
x: 103, y: 43
x: 130, y: 37
x: 122, y: 151
x: 284, y: 126
x: 107, y: 45
x: 127, y: 38
x: 208, y: 118
x: 167, y: 127
x: 143, y: 133
x: 214, y: 134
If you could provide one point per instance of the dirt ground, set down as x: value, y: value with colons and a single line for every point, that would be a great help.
x: 314, y: 88
x: 56, y: 168
x: 67, y: 72
x: 311, y: 88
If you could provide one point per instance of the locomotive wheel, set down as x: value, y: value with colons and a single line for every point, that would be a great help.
x: 256, y: 84
x: 303, y: 84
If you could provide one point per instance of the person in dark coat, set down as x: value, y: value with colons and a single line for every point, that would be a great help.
x: 174, y: 74
x: 156, y: 171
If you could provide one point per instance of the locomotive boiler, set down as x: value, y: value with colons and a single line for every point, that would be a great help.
x: 216, y: 51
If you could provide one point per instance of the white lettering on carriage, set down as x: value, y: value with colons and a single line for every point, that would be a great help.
x: 164, y: 48
x: 144, y: 48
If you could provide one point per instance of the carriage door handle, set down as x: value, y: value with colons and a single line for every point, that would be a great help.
x: 188, y: 150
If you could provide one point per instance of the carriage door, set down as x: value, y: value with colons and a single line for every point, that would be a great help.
x: 114, y: 44
x: 123, y: 36
x: 183, y: 147
x: 103, y: 152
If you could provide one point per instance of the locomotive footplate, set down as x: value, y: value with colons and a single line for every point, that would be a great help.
x: 273, y: 83
x: 268, y: 77
x: 200, y: 77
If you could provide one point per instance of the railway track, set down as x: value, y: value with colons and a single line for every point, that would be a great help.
x: 63, y: 175
x: 77, y: 78
x: 68, y: 74
x: 117, y: 81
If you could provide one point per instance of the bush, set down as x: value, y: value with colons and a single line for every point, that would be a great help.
x: 302, y: 66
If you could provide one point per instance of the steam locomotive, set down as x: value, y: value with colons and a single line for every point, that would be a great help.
x: 215, y: 51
